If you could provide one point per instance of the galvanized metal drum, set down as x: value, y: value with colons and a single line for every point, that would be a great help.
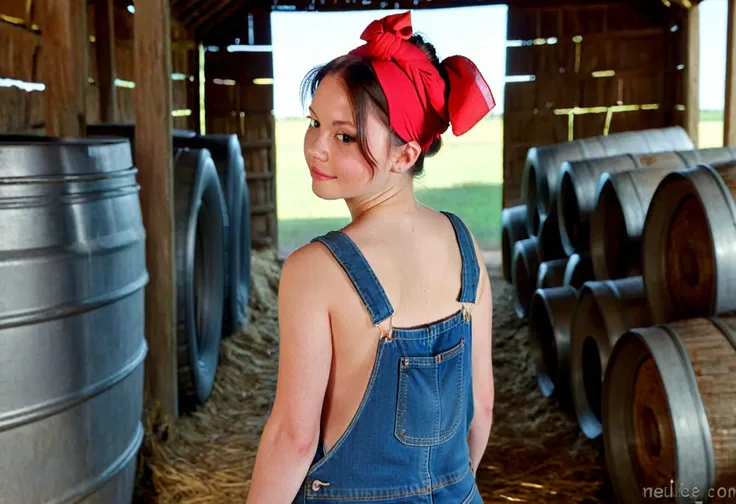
x: 542, y: 169
x: 72, y: 346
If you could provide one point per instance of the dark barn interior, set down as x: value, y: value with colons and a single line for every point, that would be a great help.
x: 138, y: 198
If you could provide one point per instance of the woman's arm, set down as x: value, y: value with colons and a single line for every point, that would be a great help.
x: 483, y: 387
x: 290, y: 437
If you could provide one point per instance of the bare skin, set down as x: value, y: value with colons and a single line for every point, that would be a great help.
x: 327, y: 341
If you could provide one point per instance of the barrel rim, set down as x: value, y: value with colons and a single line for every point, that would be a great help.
x: 557, y: 383
x: 592, y: 296
x: 546, y: 266
x: 520, y: 253
x: 529, y: 175
x: 572, y: 263
x: 587, y: 420
x: 609, y: 188
x: 660, y: 342
x: 508, y: 217
x: 546, y: 380
x: 7, y: 141
x: 568, y: 173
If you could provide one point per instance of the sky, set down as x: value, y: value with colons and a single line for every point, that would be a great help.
x: 302, y: 40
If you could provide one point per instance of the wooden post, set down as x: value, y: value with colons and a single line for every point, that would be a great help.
x: 692, y: 75
x: 64, y: 58
x: 195, y: 88
x: 105, y: 43
x: 729, y: 116
x: 153, y: 152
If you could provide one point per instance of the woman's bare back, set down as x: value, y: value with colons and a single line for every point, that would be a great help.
x: 419, y: 265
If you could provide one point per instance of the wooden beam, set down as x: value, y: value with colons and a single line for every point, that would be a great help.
x: 692, y: 73
x: 105, y: 44
x: 64, y: 58
x: 212, y: 11
x: 153, y: 151
x: 378, y: 5
x: 224, y: 14
x: 729, y: 117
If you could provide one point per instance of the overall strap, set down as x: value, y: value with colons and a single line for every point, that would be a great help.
x: 352, y: 260
x: 471, y: 270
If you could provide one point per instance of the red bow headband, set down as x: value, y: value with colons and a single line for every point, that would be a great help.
x: 415, y: 90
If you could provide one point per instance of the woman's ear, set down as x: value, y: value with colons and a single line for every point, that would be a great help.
x: 404, y: 156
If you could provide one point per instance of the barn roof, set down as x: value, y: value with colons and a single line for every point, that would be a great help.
x: 208, y: 18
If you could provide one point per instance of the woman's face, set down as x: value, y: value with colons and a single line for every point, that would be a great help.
x: 331, y: 149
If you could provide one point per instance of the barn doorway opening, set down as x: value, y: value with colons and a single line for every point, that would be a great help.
x: 465, y: 177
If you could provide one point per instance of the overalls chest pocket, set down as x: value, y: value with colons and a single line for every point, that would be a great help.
x: 431, y: 397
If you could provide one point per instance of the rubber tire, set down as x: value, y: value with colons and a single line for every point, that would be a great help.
x: 200, y: 229
x: 228, y: 158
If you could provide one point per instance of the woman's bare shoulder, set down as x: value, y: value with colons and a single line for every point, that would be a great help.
x: 309, y: 268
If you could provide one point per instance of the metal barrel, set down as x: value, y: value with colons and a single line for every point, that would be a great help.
x: 621, y: 203
x: 513, y: 229
x: 688, y: 244
x: 549, y: 334
x: 542, y: 166
x: 73, y: 270
x: 524, y: 274
x: 668, y: 400
x: 605, y: 310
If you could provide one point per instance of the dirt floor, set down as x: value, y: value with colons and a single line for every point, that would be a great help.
x: 536, y: 452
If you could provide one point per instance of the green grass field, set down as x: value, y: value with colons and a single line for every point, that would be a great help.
x: 464, y: 178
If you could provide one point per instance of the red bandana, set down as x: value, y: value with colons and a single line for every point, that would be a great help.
x: 415, y: 90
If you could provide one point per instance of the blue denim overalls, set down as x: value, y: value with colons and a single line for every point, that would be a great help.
x: 408, y: 440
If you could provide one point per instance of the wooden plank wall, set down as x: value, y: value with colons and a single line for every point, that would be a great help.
x: 20, y: 48
x: 237, y: 105
x: 597, y: 69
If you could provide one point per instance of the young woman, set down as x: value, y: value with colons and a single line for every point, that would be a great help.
x: 385, y: 385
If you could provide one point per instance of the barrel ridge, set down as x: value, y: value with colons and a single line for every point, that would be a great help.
x: 17, y: 418
x: 695, y: 153
x: 60, y: 178
x: 725, y: 191
x: 72, y: 308
x: 727, y: 326
x: 23, y: 202
x: 709, y: 344
x: 128, y: 456
x: 619, y: 323
x: 640, y: 203
x: 44, y: 155
x: 699, y: 411
x: 634, y: 159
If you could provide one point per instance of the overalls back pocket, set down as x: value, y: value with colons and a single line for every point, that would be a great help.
x: 431, y: 397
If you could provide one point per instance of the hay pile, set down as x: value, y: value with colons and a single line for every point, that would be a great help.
x: 208, y: 456
x: 536, y: 452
